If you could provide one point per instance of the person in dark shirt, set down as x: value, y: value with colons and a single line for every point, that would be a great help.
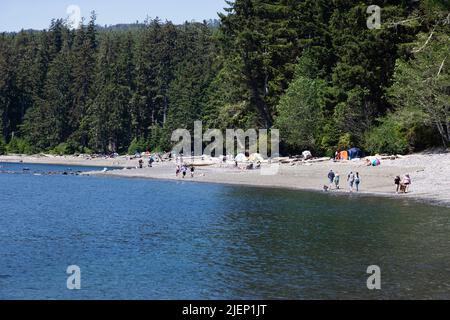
x: 331, y: 176
x: 357, y: 181
x: 397, y: 183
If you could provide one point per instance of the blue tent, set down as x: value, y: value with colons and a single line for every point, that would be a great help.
x: 354, y: 153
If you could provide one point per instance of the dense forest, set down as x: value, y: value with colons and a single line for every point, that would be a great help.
x: 311, y: 68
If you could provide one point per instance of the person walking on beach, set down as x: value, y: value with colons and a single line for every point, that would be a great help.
x: 397, y: 183
x: 407, y: 182
x: 357, y: 181
x: 192, y: 171
x: 177, y: 171
x: 184, y: 170
x: 337, y: 179
x: 331, y: 176
x: 150, y: 161
x: 351, y: 180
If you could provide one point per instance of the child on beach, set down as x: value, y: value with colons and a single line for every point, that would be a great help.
x: 337, y: 179
x: 177, y: 171
x: 192, y: 171
x: 397, y: 183
x: 357, y: 181
x: 184, y: 170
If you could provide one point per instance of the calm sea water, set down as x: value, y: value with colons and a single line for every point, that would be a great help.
x: 143, y: 239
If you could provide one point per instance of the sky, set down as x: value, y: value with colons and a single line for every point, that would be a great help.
x: 37, y: 14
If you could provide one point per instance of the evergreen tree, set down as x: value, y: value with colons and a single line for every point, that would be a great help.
x: 7, y: 90
x: 311, y: 67
x: 47, y: 123
x: 83, y: 71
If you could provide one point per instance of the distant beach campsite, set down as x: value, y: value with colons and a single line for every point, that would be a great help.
x: 416, y: 176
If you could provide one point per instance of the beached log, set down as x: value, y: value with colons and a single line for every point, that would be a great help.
x: 318, y: 160
x: 288, y: 161
x: 200, y: 164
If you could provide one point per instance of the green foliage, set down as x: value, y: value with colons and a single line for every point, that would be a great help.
x: 312, y: 67
x: 236, y: 115
x: 19, y: 146
x: 390, y: 138
x: 63, y: 149
x: 345, y: 142
x: 299, y: 117
x: 157, y: 141
x: 401, y: 132
x: 423, y: 83
x: 265, y: 40
x: 2, y: 146
x: 137, y: 145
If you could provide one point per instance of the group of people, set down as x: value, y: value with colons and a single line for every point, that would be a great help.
x: 151, y: 160
x: 183, y: 169
x: 353, y: 180
x: 402, y: 185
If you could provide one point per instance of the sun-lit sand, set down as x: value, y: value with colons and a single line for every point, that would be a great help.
x: 430, y: 173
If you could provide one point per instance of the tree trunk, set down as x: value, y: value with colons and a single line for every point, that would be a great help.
x: 262, y: 108
x: 441, y: 132
x: 165, y: 110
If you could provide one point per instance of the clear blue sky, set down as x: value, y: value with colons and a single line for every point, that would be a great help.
x: 36, y: 14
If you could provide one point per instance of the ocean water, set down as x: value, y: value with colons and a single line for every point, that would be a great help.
x: 144, y: 239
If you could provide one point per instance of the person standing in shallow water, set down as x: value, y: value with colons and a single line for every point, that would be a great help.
x: 357, y: 181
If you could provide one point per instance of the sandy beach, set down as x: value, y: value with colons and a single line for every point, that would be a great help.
x: 429, y: 172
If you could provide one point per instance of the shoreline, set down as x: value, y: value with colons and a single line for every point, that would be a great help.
x: 428, y: 172
x: 341, y: 193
